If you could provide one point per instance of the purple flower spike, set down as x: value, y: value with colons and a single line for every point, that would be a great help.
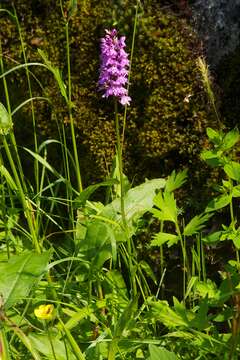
x: 114, y: 67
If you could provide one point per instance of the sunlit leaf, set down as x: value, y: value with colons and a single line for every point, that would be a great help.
x: 230, y: 139
x: 218, y: 203
x: 167, y: 204
x: 196, y: 224
x: 19, y: 274
x: 175, y: 181
x: 157, y: 353
x: 232, y: 169
x: 161, y: 238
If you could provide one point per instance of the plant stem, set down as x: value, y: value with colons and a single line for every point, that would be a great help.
x: 36, y: 165
x: 186, y: 267
x: 130, y: 68
x: 120, y: 165
x: 4, y: 351
x: 78, y: 173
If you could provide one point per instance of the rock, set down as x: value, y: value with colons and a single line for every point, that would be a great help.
x: 218, y: 24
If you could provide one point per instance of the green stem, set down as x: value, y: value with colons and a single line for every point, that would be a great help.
x: 19, y: 181
x: 120, y: 165
x: 130, y: 68
x: 186, y: 267
x: 50, y: 340
x: 36, y: 165
x: 4, y: 351
x: 78, y: 174
x: 25, y: 205
x: 233, y: 222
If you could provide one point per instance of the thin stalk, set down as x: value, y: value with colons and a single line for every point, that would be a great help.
x: 78, y: 173
x: 19, y: 181
x: 161, y: 260
x: 233, y: 224
x: 36, y: 165
x: 4, y: 351
x: 12, y: 137
x: 204, y: 273
x: 25, y: 205
x: 130, y: 68
x: 120, y: 164
x: 50, y: 340
x: 186, y: 267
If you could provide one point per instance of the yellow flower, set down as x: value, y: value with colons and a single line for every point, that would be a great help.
x: 44, y: 312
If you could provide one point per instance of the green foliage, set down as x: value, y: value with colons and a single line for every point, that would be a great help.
x: 157, y: 353
x: 19, y: 275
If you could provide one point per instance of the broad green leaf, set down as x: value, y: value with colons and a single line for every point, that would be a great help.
x: 230, y: 139
x: 41, y: 343
x: 236, y: 191
x: 212, y: 238
x: 19, y: 274
x: 137, y: 201
x: 232, y: 169
x: 161, y: 238
x: 218, y: 203
x: 159, y: 353
x: 99, y: 243
x: 86, y: 193
x: 165, y: 314
x: 213, y: 157
x: 167, y: 204
x: 5, y: 120
x: 196, y: 224
x: 175, y: 181
x: 214, y: 136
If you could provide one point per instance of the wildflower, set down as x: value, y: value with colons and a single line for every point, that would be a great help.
x: 44, y: 312
x: 114, y: 67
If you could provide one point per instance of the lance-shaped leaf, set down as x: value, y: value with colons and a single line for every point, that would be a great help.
x: 218, y: 203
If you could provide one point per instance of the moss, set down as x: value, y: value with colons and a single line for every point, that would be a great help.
x: 167, y: 118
